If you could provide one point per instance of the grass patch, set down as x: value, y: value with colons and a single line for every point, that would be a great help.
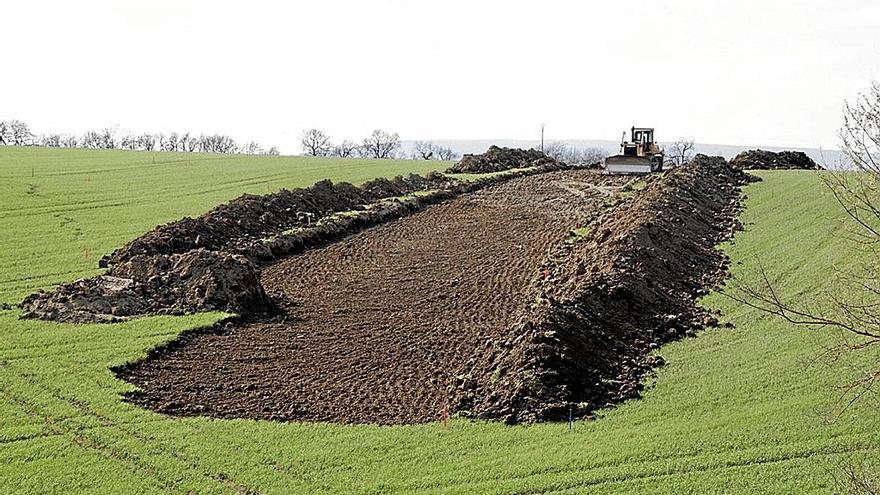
x: 735, y: 410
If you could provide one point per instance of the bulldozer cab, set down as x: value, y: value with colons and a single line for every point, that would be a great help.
x: 643, y: 135
x: 640, y: 143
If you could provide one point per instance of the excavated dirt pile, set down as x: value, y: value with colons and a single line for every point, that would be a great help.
x: 768, y: 160
x: 251, y: 217
x: 198, y: 280
x: 496, y: 159
x: 602, y: 301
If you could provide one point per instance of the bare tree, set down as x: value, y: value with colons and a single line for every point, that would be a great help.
x: 18, y: 133
x: 90, y: 139
x: 128, y: 142
x: 167, y: 143
x: 51, y: 140
x: 583, y: 156
x: 424, y: 150
x: 252, y: 148
x: 217, y: 143
x: 680, y: 152
x: 69, y: 141
x: 380, y: 144
x: 345, y: 149
x: 853, y: 295
x: 273, y: 151
x: 315, y: 142
x: 103, y: 139
x: 146, y: 141
x: 556, y: 150
x: 187, y: 142
x: 446, y: 153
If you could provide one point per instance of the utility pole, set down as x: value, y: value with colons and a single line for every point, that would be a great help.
x: 542, y: 137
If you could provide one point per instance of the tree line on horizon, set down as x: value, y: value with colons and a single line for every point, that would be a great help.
x: 380, y: 145
x: 18, y: 133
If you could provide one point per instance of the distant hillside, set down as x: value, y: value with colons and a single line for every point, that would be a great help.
x: 827, y: 158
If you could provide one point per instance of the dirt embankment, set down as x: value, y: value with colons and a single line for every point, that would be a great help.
x: 496, y: 159
x: 603, y: 301
x: 770, y: 160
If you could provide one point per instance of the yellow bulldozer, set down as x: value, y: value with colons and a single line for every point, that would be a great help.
x: 639, y: 155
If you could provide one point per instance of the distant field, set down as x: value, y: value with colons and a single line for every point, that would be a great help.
x: 735, y: 410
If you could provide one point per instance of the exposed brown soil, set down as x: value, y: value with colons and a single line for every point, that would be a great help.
x: 198, y: 280
x: 375, y: 328
x: 496, y: 159
x: 603, y: 301
x: 250, y: 217
x: 769, y: 160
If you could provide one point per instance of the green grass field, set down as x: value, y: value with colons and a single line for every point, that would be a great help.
x: 742, y: 410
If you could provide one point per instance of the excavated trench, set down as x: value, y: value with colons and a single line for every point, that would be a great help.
x: 520, y: 302
x: 523, y: 298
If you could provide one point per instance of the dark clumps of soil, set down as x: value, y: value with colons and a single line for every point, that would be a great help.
x: 496, y: 159
x: 602, y: 302
x: 198, y: 280
x: 251, y: 217
x: 770, y: 160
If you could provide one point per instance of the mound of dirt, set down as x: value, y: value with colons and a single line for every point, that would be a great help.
x: 604, y: 300
x: 769, y: 160
x: 251, y: 217
x: 496, y: 159
x: 198, y: 280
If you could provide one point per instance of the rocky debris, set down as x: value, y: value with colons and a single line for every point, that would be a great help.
x: 496, y: 159
x: 770, y: 160
x: 198, y: 280
x: 604, y: 301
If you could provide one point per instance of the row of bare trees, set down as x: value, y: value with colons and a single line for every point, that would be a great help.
x: 18, y: 133
x: 429, y: 150
x: 574, y: 155
x: 379, y: 144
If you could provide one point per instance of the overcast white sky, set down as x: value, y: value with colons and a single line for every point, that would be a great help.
x: 772, y: 72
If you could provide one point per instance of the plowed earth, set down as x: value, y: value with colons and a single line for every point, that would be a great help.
x: 374, y: 328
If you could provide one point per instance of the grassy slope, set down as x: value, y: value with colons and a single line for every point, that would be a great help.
x: 738, y: 410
